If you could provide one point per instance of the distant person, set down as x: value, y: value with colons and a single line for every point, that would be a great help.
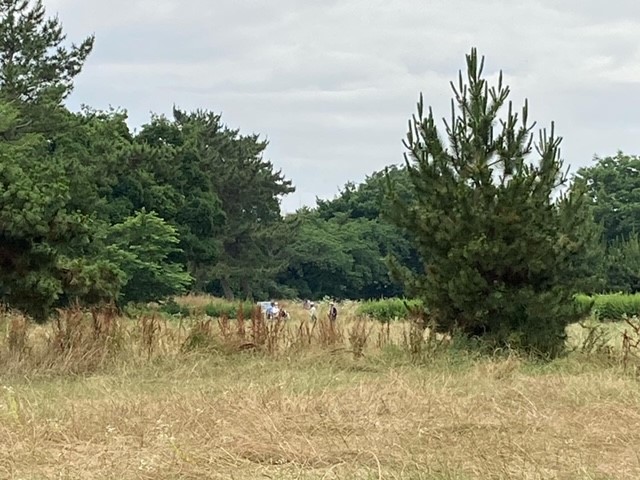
x: 313, y: 312
x: 275, y: 311
x: 307, y: 304
x: 333, y: 312
x: 269, y: 311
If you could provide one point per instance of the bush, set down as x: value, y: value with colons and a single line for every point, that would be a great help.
x: 610, y: 307
x: 616, y: 306
x: 583, y: 305
x: 174, y: 308
x: 389, y: 309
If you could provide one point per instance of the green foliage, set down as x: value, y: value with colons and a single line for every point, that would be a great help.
x: 174, y: 308
x: 45, y: 230
x: 499, y: 250
x: 34, y: 61
x: 390, y: 308
x: 146, y: 242
x: 226, y: 199
x: 583, y: 305
x: 478, y: 236
x: 615, y: 307
x: 609, y: 307
x: 622, y: 264
x: 35, y: 222
x: 217, y: 308
x: 340, y: 249
x: 613, y: 186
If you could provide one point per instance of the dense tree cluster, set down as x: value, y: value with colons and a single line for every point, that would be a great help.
x: 613, y: 186
x: 92, y: 212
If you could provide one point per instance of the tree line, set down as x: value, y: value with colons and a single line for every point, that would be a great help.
x: 92, y: 212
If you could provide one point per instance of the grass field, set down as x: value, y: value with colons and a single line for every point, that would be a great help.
x: 125, y: 399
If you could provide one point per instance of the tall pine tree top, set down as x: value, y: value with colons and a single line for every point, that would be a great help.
x: 35, y: 65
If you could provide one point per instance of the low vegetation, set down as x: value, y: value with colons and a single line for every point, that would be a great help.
x: 611, y: 307
x: 604, y: 307
x: 390, y: 309
x: 95, y: 395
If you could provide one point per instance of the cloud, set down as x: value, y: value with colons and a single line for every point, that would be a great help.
x: 332, y: 84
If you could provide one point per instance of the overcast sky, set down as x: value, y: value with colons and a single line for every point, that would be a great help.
x: 331, y: 84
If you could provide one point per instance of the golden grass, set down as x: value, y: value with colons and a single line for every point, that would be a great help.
x: 131, y: 402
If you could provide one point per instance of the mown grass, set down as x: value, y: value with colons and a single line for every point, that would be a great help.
x: 308, y: 407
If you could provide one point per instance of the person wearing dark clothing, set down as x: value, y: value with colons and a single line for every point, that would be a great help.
x: 333, y: 312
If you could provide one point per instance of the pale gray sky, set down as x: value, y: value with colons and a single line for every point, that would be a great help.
x: 331, y: 84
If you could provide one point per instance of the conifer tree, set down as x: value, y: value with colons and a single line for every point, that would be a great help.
x: 35, y: 66
x: 37, y: 222
x: 499, y: 243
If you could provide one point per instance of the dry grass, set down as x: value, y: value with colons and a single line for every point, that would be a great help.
x: 137, y: 400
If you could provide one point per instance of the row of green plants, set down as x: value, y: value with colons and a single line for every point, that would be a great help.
x: 610, y: 307
x: 607, y: 307
x: 389, y: 309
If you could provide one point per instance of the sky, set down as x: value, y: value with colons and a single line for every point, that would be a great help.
x: 332, y: 84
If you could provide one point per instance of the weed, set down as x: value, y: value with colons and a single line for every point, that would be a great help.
x: 17, y: 335
x: 631, y: 343
x: 358, y: 336
x: 149, y: 330
x: 200, y: 336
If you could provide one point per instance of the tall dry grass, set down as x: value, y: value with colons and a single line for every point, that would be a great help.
x: 93, y: 395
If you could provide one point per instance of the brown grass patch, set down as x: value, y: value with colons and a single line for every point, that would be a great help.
x: 95, y: 396
x: 251, y: 418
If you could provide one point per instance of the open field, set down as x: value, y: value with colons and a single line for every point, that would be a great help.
x: 127, y: 399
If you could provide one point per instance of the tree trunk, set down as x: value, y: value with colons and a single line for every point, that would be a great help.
x: 228, y: 293
x: 246, y: 289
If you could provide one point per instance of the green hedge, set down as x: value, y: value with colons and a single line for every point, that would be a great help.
x: 388, y: 309
x: 611, y: 307
x: 614, y: 307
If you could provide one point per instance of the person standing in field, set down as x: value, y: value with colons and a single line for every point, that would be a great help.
x: 275, y: 311
x: 313, y: 312
x: 333, y: 312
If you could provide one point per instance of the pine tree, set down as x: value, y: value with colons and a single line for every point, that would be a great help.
x: 34, y: 222
x: 38, y: 222
x: 499, y: 244
x: 35, y: 66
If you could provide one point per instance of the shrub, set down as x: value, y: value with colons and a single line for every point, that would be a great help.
x: 174, y: 308
x: 610, y: 307
x: 616, y: 306
x: 389, y: 309
x: 583, y: 305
